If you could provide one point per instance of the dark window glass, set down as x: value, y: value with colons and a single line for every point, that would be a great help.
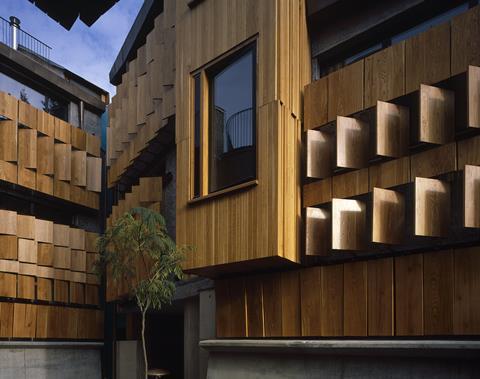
x: 232, y: 122
x: 196, y: 132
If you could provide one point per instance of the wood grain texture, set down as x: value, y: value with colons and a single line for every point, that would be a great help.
x: 433, y: 162
x: 316, y: 104
x: 61, y: 235
x: 355, y: 299
x: 348, y: 224
x: 466, y: 305
x: 79, y: 168
x: 254, y: 304
x: 43, y: 231
x: 8, y: 106
x: 388, y: 224
x: 8, y: 141
x: 346, y: 90
x: 8, y: 222
x: 27, y: 148
x: 380, y: 297
x: 45, y: 254
x: 353, y: 138
x: 350, y: 184
x: 473, y: 97
x: 25, y: 319
x: 44, y: 289
x: 77, y: 239
x: 25, y: 226
x: 92, y: 296
x: 63, y: 131
x: 27, y: 178
x: 94, y: 174
x: 389, y: 174
x: 27, y: 250
x: 77, y: 293
x: 231, y: 307
x: 26, y: 287
x: 385, y: 74
x: 8, y: 172
x: 311, y: 301
x: 465, y: 29
x: 60, y: 291
x: 318, y: 231
x: 432, y: 207
x: 392, y: 130
x: 427, y: 57
x: 63, y: 159
x: 45, y: 155
x: 320, y: 154
x: 6, y: 320
x: 409, y: 295
x: 317, y: 192
x: 78, y: 260
x: 332, y: 301
x: 437, y: 115
x: 79, y: 139
x: 8, y: 247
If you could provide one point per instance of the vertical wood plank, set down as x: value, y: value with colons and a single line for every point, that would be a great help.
x: 465, y: 42
x: 438, y: 293
x: 290, y: 299
x: 355, y: 299
x: 25, y: 319
x: 332, y: 301
x: 311, y: 301
x: 6, y: 320
x: 380, y: 297
x: 409, y: 295
x: 272, y: 306
x: 254, y: 299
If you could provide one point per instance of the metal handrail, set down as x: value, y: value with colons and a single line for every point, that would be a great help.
x: 24, y: 40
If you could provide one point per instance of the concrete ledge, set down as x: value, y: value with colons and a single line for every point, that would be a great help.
x: 414, y: 348
x: 49, y: 345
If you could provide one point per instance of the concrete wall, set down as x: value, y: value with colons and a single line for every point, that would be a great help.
x: 335, y: 361
x: 49, y: 361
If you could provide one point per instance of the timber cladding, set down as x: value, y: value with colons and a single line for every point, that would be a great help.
x: 428, y: 294
x: 258, y: 222
x: 46, y: 154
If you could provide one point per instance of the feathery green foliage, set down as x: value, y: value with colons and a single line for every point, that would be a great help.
x: 138, y: 251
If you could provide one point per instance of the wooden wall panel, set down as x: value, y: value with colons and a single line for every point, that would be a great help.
x: 355, y: 299
x: 79, y: 168
x: 8, y: 141
x: 27, y: 115
x: 8, y: 222
x: 438, y: 268
x: 60, y: 291
x: 316, y: 104
x: 465, y: 44
x: 231, y: 308
x: 45, y: 155
x: 332, y: 301
x: 27, y: 148
x: 26, y: 287
x: 409, y: 295
x: 63, y: 161
x: 466, y: 306
x: 254, y: 304
x: 44, y: 289
x: 8, y: 106
x: 9, y: 247
x: 6, y: 320
x: 380, y: 297
x: 384, y: 74
x: 79, y: 139
x: 272, y: 306
x: 311, y: 301
x: 25, y: 319
x: 345, y: 90
x: 8, y: 285
x: 94, y: 174
x: 433, y: 162
x: 427, y: 57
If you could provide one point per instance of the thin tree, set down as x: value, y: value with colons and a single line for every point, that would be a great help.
x: 137, y: 251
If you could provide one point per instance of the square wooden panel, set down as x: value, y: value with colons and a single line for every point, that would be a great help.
x: 8, y: 222
x: 27, y: 115
x: 77, y: 293
x: 61, y: 189
x: 45, y: 272
x: 318, y: 233
x: 45, y: 123
x: 8, y: 106
x: 348, y: 224
x: 60, y: 291
x: 44, y: 184
x: 437, y: 115
x: 27, y: 178
x: 63, y: 161
x: 385, y: 74
x: 43, y: 231
x: 315, y: 103
x: 473, y: 88
x: 44, y: 289
x: 27, y: 148
x: 388, y: 216
x: 91, y: 242
x: 62, y: 257
x: 393, y: 127
x: 77, y: 239
x: 8, y: 284
x: 92, y: 294
x: 79, y: 139
x: 93, y: 145
x: 6, y: 320
x: 8, y: 141
x: 94, y: 174
x: 63, y: 131
x: 8, y: 172
x: 45, y: 155
x: 25, y: 320
x: 79, y: 260
x: 320, y: 154
x: 427, y: 57
x: 8, y: 247
x: 61, y: 235
x: 9, y: 266
x: 79, y: 168
x: 26, y: 226
x: 91, y: 259
x: 26, y: 287
x: 432, y: 207
x: 27, y: 250
x: 345, y: 90
x: 465, y: 44
x: 25, y: 268
x: 353, y: 143
x: 389, y: 174
x: 45, y: 254
x: 436, y: 161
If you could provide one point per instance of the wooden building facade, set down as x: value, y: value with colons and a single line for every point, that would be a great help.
x: 348, y: 207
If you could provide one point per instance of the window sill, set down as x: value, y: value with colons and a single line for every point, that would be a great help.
x: 238, y: 187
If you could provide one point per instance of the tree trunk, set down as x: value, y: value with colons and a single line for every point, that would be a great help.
x: 145, y: 359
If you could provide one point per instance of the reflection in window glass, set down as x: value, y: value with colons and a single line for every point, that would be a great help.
x: 232, y: 123
x: 23, y: 92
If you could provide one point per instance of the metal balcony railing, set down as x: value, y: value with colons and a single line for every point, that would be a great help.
x: 18, y: 39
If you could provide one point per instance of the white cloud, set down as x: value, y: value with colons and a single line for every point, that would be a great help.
x: 88, y: 52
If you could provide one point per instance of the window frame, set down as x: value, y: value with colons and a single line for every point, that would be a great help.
x: 205, y: 74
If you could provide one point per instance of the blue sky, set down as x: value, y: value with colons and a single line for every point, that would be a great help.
x: 88, y: 52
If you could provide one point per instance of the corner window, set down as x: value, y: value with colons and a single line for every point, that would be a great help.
x: 228, y: 122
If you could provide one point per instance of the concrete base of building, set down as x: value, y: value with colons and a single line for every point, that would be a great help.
x: 282, y: 359
x: 50, y: 360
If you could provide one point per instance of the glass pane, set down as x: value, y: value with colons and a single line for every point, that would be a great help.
x: 232, y: 132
